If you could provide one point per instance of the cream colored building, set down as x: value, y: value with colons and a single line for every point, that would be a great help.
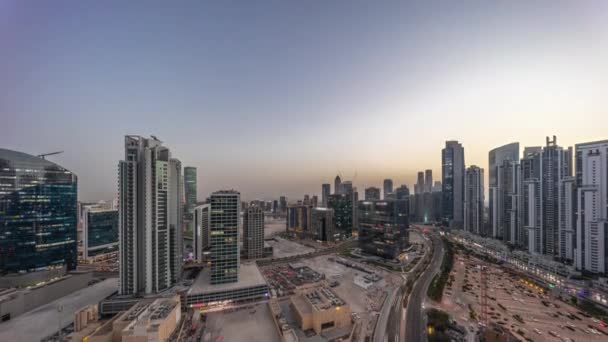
x: 320, y: 309
x: 154, y: 321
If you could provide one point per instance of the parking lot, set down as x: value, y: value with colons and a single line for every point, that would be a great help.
x: 248, y: 324
x: 285, y: 248
x: 516, y: 304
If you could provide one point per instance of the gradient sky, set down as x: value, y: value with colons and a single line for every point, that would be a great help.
x: 276, y: 97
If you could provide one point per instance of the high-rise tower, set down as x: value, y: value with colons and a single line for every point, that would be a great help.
x: 592, y: 206
x: 497, y: 210
x: 224, y: 236
x: 473, y: 199
x: 452, y: 174
x: 253, y: 233
x: 325, y: 192
x: 150, y: 216
x: 388, y: 187
x: 428, y: 180
x: 190, y: 188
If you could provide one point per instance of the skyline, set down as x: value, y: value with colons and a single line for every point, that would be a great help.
x: 371, y: 90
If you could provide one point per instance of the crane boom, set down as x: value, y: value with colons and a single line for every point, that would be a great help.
x: 49, y: 154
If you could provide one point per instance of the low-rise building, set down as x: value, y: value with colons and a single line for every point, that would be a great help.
x: 320, y: 309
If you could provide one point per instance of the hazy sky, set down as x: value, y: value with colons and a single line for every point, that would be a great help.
x: 276, y: 97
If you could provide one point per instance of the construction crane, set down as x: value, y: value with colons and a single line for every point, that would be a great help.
x: 483, y: 296
x: 48, y: 154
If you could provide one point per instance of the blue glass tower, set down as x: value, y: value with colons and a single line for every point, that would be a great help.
x: 38, y: 214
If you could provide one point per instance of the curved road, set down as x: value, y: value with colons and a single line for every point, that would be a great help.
x: 415, y: 318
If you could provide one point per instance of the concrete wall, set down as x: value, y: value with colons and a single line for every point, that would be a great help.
x: 30, y: 278
x: 28, y: 299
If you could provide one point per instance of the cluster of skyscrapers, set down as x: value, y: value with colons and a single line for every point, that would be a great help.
x: 550, y: 201
x: 380, y: 224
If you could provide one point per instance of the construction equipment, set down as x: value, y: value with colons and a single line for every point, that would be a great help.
x: 48, y: 154
x: 483, y: 296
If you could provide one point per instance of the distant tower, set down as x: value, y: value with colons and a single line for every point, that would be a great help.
x: 388, y: 187
x: 253, y: 233
x: 150, y: 217
x: 200, y: 233
x: 325, y: 192
x: 428, y: 180
x: 337, y: 185
x: 190, y: 188
x: 372, y: 194
x: 498, y: 209
x: 592, y: 204
x: 452, y: 174
x: 419, y: 187
x: 473, y: 200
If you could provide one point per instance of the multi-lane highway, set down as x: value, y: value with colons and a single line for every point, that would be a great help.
x: 415, y: 315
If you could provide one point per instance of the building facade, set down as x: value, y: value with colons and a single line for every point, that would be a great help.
x: 322, y: 224
x: 337, y: 185
x: 508, y: 195
x: 428, y: 180
x: 150, y: 217
x: 298, y: 220
x: 190, y: 188
x: 100, y: 231
x: 383, y: 227
x: 497, y: 210
x: 38, y: 214
x: 452, y: 174
x: 342, y: 205
x: 592, y: 207
x: 325, y: 192
x: 388, y: 187
x: 253, y: 233
x: 224, y: 236
x: 372, y: 194
x: 200, y: 233
x: 473, y: 199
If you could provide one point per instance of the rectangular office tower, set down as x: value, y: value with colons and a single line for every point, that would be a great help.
x: 383, y: 227
x: 388, y: 187
x: 325, y: 192
x: 372, y: 193
x: 497, y: 209
x: 99, y: 232
x: 200, y: 233
x: 508, y: 195
x: 473, y: 200
x: 343, y: 207
x: 452, y: 174
x: 322, y: 224
x: 253, y: 233
x: 150, y: 216
x: 190, y: 188
x: 224, y: 236
x: 298, y: 220
x: 592, y: 207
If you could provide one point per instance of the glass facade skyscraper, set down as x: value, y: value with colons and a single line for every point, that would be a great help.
x: 342, y: 205
x: 452, y: 174
x: 100, y: 231
x: 38, y: 214
x: 383, y: 227
x: 224, y: 236
x: 190, y: 188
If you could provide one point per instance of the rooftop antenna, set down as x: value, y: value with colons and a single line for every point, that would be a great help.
x: 48, y: 154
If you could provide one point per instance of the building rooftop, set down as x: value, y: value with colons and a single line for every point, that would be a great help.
x: 249, y: 276
x: 317, y: 299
